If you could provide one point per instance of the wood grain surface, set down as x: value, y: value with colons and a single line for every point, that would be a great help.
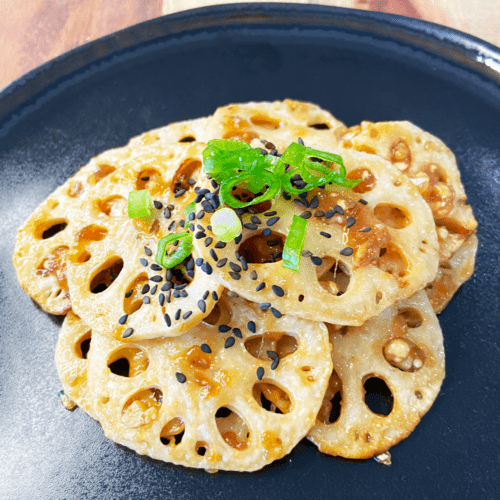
x: 36, y: 31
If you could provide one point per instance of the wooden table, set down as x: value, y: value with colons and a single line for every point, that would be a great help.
x: 36, y: 31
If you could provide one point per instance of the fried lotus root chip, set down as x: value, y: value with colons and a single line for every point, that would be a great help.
x: 430, y: 165
x: 453, y: 275
x: 200, y: 399
x: 72, y: 362
x: 390, y: 231
x: 116, y: 285
x: 400, y: 351
x: 42, y: 243
x: 185, y: 131
x: 278, y: 122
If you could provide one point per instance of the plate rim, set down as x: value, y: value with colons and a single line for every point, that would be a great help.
x: 456, y: 46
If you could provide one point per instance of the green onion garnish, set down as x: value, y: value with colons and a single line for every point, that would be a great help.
x: 180, y: 253
x: 292, y: 250
x: 226, y: 224
x: 233, y: 163
x: 140, y: 204
x: 190, y: 208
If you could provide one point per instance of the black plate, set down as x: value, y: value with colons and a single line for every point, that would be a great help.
x: 357, y: 64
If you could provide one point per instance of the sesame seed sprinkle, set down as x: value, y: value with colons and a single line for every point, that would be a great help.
x: 208, y: 241
x: 177, y: 314
x: 181, y: 378
x: 265, y: 305
x: 364, y: 202
x: 260, y: 287
x: 206, y: 268
x: 319, y: 213
x: 329, y: 214
x: 272, y: 221
x: 224, y: 328
x: 260, y: 373
x: 123, y: 319
x: 350, y: 222
x: 338, y: 209
x: 276, y: 313
x: 347, y: 251
x: 215, y: 296
x: 317, y: 261
x: 187, y: 314
x: 250, y: 226
x: 206, y: 348
x: 161, y: 299
x: 213, y: 255
x: 266, y: 232
x: 306, y: 214
x: 202, y: 306
x: 230, y: 341
x: 145, y: 289
x: 127, y: 333
x: 198, y: 261
x: 325, y: 234
x: 146, y: 300
x: 167, y: 319
x: 158, y: 204
x: 235, y: 267
x: 222, y: 262
x: 278, y: 290
x: 154, y: 289
x: 156, y: 278
x: 237, y: 333
x: 144, y: 262
x: 205, y: 295
x: 179, y: 193
x: 253, y: 275
x: 166, y: 213
x: 167, y: 286
x: 365, y: 230
x: 251, y: 326
x: 220, y: 244
x: 148, y: 251
x: 235, y: 276
x: 129, y: 294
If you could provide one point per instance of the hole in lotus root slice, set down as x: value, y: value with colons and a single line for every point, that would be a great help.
x: 142, y: 408
x: 430, y: 165
x: 100, y: 172
x: 79, y: 253
x: 114, y: 206
x: 272, y: 398
x: 208, y: 387
x: 368, y: 180
x: 72, y: 351
x: 106, y: 275
x: 152, y: 179
x: 331, y: 406
x: 378, y: 396
x: 359, y: 360
x: 172, y: 432
x: 128, y: 362
x: 218, y: 315
x: 232, y: 428
x: 279, y: 122
x: 392, y: 216
x: 333, y: 276
x: 375, y: 257
x: 50, y: 228
x: 278, y: 342
x: 190, y: 169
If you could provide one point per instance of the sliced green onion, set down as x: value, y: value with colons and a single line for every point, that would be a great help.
x: 189, y: 209
x: 226, y: 224
x: 292, y: 250
x: 226, y: 187
x: 180, y: 253
x: 140, y: 204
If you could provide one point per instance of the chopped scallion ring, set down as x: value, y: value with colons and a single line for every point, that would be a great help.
x: 140, y: 204
x: 180, y: 253
x: 292, y: 251
x: 226, y: 224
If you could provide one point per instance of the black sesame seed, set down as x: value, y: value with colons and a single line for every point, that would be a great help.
x: 199, y: 215
x: 206, y: 348
x: 127, y: 333
x: 272, y: 221
x: 260, y: 372
x: 306, y: 253
x: 145, y: 289
x: 179, y: 193
x: 158, y: 204
x: 214, y: 184
x: 260, y: 287
x: 224, y: 328
x: 184, y: 293
x: 300, y: 141
x: 154, y: 289
x: 167, y: 286
x: 276, y: 313
x: 220, y: 244
x: 238, y: 239
x: 167, y: 296
x: 190, y: 264
x: 129, y: 294
x: 235, y: 267
x: 286, y: 196
x: 177, y: 314
x: 275, y: 364
x: 251, y: 326
x: 347, y: 251
x: 191, y: 216
x: 364, y: 202
x: 221, y: 262
x: 161, y: 299
x: 232, y: 294
x: 182, y: 223
x: 207, y: 268
x: 148, y: 251
x: 191, y: 182
x: 198, y: 261
x: 156, y: 278
x: 176, y: 294
x: 208, y: 241
x: 350, y: 222
x: 338, y: 209
x: 255, y: 219
x: 314, y: 202
x: 181, y: 378
x: 319, y: 213
x: 166, y: 213
x: 237, y: 333
x: 200, y: 234
x: 146, y: 300
x: 266, y: 232
x: 250, y: 226
x: 317, y: 261
x: 244, y: 264
x: 253, y: 275
x: 273, y: 355
x: 265, y: 305
x: 230, y: 341
x: 191, y: 227
x: 215, y: 296
x: 329, y: 214
x: 306, y: 215
x: 235, y: 276
x: 365, y: 230
x: 145, y: 178
x: 144, y: 262
x: 278, y: 290
x: 202, y: 306
x: 172, y: 225
x: 205, y: 295
x: 263, y: 152
x: 303, y: 196
x: 167, y: 319
x: 186, y: 315
x: 123, y: 319
x: 325, y: 234
x: 213, y: 255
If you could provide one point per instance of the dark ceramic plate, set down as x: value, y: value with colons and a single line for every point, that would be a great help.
x: 357, y: 64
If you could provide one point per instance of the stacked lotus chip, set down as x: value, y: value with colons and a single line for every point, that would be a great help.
x: 228, y: 359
